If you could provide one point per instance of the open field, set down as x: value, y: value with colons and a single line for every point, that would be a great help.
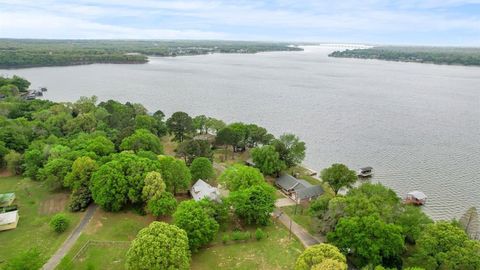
x: 105, y: 243
x: 276, y: 251
x: 36, y: 206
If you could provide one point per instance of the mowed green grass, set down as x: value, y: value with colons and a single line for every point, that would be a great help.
x: 36, y: 205
x: 104, y: 227
x: 277, y: 251
x: 301, y: 217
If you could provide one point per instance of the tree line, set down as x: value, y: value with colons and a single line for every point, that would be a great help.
x: 21, y: 53
x: 434, y: 55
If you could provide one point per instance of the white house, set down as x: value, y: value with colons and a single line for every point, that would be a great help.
x: 202, y: 189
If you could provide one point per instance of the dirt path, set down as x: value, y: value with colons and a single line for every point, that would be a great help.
x: 72, y: 238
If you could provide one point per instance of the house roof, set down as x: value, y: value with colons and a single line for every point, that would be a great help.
x: 286, y: 181
x: 303, y: 189
x: 6, y: 197
x: 418, y: 195
x: 8, y: 217
x: 309, y: 192
x: 202, y: 189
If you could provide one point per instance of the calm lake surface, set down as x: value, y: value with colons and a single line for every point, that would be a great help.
x: 418, y: 125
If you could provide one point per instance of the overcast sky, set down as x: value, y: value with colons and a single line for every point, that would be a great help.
x: 426, y: 22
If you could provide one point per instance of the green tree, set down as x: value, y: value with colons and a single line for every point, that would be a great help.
x: 159, y: 246
x: 121, y: 180
x: 30, y: 259
x: 254, y: 204
x: 153, y: 186
x: 59, y: 223
x: 162, y: 204
x: 369, y: 239
x: 214, y: 125
x: 3, y: 152
x: 78, y: 179
x: 413, y: 221
x: 55, y: 171
x: 267, y: 160
x: 290, y: 149
x: 180, y: 124
x: 201, y: 168
x: 200, y: 123
x: 191, y: 149
x: 226, y: 137
x: 33, y: 160
x: 194, y: 219
x: 238, y: 177
x: 175, y: 173
x: 151, y: 123
x: 338, y: 176
x: 443, y: 245
x: 142, y: 139
x: 318, y: 254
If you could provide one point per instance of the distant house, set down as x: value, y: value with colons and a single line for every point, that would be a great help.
x: 8, y: 220
x: 297, y: 189
x: 205, y: 137
x: 202, y: 189
x: 6, y: 199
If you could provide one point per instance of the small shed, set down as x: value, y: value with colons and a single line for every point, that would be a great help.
x: 201, y: 190
x: 416, y: 197
x: 6, y: 199
x: 8, y: 220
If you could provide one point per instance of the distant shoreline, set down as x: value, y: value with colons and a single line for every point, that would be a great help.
x: 424, y: 55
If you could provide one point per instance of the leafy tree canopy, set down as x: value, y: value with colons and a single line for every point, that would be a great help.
x: 239, y: 177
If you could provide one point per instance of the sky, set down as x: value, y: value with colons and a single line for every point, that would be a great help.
x: 414, y: 22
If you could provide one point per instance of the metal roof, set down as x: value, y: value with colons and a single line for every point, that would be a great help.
x: 418, y: 195
x: 202, y: 189
x: 6, y: 197
x: 309, y: 192
x: 8, y: 217
x: 286, y: 181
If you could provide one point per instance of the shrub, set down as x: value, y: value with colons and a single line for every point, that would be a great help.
x: 259, y: 234
x: 80, y: 199
x: 225, y: 238
x: 239, y: 235
x: 59, y: 223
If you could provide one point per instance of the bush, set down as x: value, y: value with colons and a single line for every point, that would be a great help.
x: 59, y: 223
x: 259, y: 234
x: 80, y: 199
x: 225, y: 238
x: 239, y: 235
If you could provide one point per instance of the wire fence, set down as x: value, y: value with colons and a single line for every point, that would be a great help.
x: 97, y: 243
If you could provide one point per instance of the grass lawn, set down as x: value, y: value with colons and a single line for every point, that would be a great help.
x: 301, y: 217
x: 275, y: 252
x: 36, y: 205
x: 105, y: 227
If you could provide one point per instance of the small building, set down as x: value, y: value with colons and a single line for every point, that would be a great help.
x: 6, y: 199
x: 201, y: 190
x: 297, y: 189
x: 365, y: 172
x: 8, y: 220
x: 205, y: 137
x: 416, y: 197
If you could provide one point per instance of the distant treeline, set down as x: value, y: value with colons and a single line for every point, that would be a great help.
x: 20, y: 53
x: 434, y: 55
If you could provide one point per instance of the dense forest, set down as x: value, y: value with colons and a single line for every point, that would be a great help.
x: 434, y: 55
x: 111, y: 154
x: 16, y: 53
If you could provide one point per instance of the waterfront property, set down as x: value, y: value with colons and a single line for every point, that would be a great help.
x: 297, y: 189
x: 416, y: 197
x: 365, y: 172
x: 201, y: 190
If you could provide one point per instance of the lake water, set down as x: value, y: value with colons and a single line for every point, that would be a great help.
x: 418, y: 125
